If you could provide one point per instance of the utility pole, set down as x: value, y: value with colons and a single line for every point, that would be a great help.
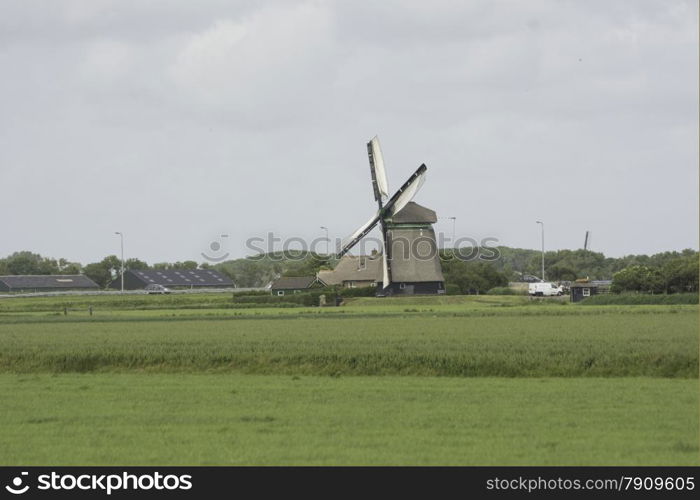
x: 542, y: 224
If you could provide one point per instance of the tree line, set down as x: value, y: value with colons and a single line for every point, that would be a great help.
x: 666, y: 272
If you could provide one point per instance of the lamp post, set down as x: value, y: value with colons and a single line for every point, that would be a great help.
x: 327, y: 240
x: 542, y: 224
x: 454, y: 219
x: 121, y: 238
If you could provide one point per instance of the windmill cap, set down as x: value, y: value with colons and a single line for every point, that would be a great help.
x: 413, y: 213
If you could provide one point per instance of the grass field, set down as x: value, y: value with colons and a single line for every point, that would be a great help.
x: 250, y: 419
x: 449, y: 380
x: 663, y: 345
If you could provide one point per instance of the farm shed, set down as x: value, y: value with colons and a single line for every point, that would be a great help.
x: 294, y: 284
x: 583, y: 289
x: 173, y: 278
x: 46, y: 283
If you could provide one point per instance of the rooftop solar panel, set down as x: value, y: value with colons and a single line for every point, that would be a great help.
x: 181, y: 277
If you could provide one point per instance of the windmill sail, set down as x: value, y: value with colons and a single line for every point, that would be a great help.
x: 396, y: 203
x: 406, y: 192
x: 400, y: 220
x: 386, y: 278
x: 376, y: 164
x: 360, y: 233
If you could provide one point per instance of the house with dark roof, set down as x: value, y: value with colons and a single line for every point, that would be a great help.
x: 294, y: 284
x: 135, y: 279
x: 46, y: 283
x: 584, y: 288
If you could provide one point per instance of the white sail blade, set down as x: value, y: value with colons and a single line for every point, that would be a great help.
x: 379, y: 170
x: 386, y: 281
x: 352, y: 240
x: 408, y: 193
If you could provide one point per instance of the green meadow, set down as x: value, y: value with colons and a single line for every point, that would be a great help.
x: 481, y: 380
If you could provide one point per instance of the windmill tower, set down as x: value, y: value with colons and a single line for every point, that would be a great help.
x: 410, y: 259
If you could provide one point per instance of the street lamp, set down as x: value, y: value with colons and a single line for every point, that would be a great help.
x: 453, y: 231
x: 327, y: 240
x: 542, y: 224
x: 121, y: 237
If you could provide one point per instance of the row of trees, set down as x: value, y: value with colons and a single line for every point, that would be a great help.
x: 568, y: 265
x: 663, y: 272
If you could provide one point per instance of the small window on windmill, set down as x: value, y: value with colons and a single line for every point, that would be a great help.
x: 402, y: 286
x: 586, y: 292
x: 280, y: 292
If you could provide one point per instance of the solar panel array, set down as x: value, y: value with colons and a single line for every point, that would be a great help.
x: 182, y: 277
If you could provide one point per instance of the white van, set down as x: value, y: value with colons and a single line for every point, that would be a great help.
x: 544, y: 289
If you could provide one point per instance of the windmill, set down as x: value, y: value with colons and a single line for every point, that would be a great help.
x: 410, y: 260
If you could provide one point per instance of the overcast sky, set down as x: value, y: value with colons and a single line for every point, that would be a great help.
x: 177, y: 121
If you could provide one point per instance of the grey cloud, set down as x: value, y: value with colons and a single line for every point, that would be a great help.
x: 176, y: 121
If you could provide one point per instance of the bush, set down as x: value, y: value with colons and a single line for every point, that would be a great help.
x: 452, y: 289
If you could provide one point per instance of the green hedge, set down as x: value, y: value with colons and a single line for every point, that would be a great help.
x: 368, y: 291
x: 301, y: 299
x: 642, y: 298
x: 248, y: 293
x: 506, y: 290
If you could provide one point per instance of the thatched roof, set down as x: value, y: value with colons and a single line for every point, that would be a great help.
x: 353, y: 268
x: 413, y: 213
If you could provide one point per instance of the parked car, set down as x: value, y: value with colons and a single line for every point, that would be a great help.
x: 544, y: 289
x: 155, y: 288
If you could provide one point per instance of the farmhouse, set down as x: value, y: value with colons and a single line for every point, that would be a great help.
x: 46, y: 283
x: 294, y: 284
x: 354, y: 271
x: 173, y: 278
